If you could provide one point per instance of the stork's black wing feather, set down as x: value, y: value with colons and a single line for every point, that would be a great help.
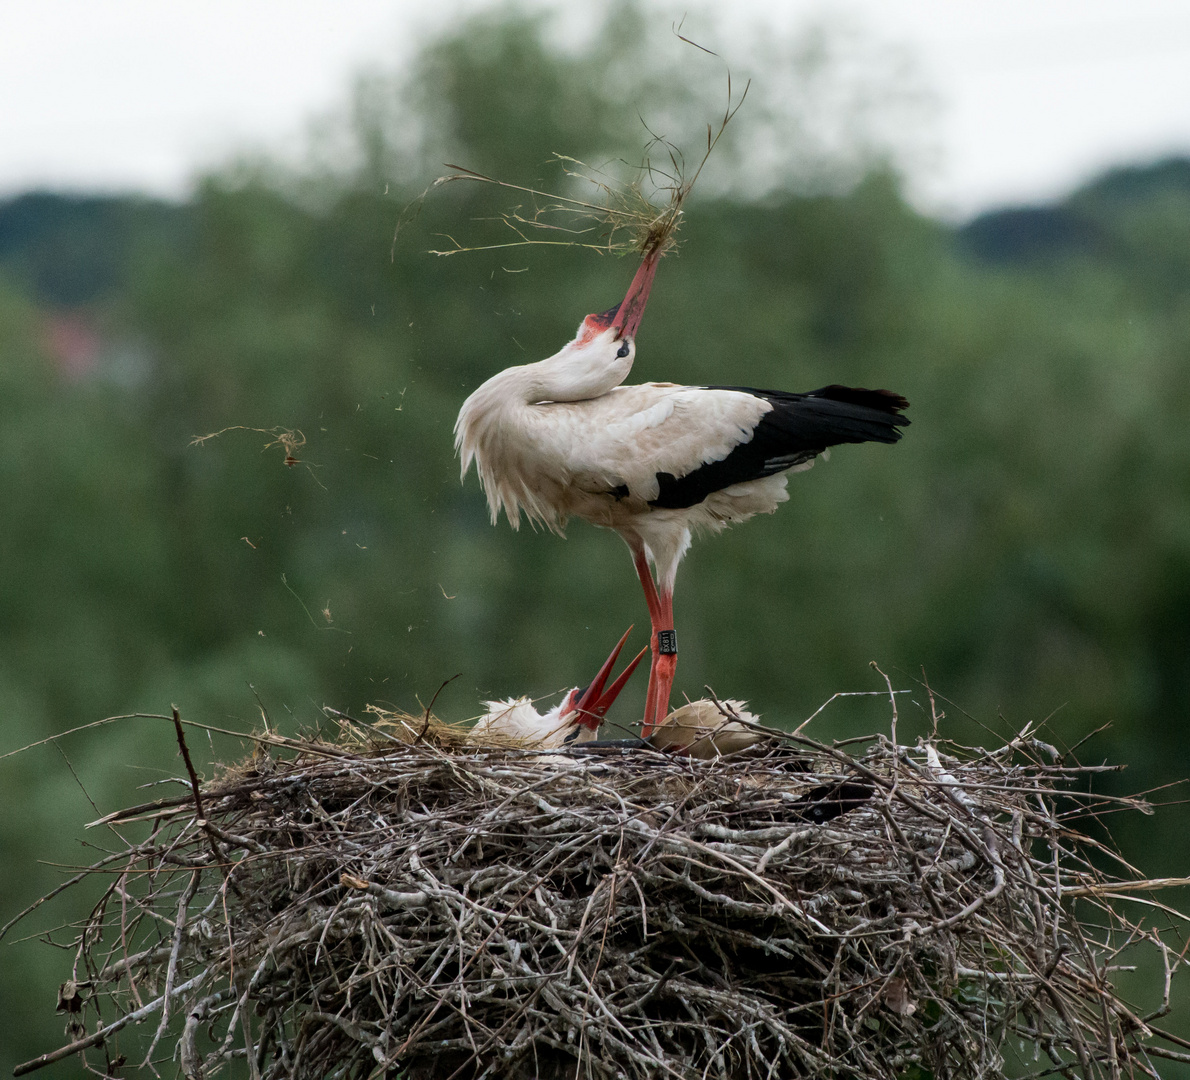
x: 829, y: 801
x: 797, y: 428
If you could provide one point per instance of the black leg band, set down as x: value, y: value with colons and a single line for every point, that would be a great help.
x: 667, y: 642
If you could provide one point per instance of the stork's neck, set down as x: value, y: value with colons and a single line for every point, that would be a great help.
x: 578, y: 371
x: 488, y: 423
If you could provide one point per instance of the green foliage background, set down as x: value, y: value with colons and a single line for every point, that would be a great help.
x: 1027, y: 545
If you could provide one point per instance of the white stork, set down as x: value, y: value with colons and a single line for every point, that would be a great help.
x: 575, y: 719
x: 655, y: 461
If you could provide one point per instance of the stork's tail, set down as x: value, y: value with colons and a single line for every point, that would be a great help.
x: 852, y: 414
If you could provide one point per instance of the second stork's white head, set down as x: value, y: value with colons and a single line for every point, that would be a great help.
x: 575, y: 719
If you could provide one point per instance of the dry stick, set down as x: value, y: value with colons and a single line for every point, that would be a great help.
x: 188, y: 1056
x: 892, y: 697
x: 127, y: 963
x: 822, y: 708
x: 83, y: 727
x: 216, y: 850
x: 1108, y: 888
x: 123, y: 887
x: 193, y: 775
x: 301, y: 746
x: 129, y: 813
x: 101, y: 1035
x: 171, y: 969
x: 429, y: 707
x: 81, y: 876
x: 256, y: 784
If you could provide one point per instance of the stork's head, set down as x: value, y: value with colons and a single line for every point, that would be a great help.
x: 587, y: 706
x: 617, y: 326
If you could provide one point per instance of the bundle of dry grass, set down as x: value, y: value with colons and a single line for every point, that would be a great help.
x: 641, y: 216
x: 391, y: 905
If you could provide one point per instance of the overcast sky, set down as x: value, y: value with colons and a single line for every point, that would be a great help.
x: 1034, y: 95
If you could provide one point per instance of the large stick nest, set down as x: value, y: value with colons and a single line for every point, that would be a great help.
x: 422, y: 910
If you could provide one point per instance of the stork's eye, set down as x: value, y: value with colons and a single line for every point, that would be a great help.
x: 623, y: 350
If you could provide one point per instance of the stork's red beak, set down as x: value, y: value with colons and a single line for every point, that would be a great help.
x: 593, y: 702
x: 633, y: 308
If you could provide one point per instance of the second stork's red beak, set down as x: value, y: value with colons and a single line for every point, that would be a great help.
x: 633, y: 308
x: 592, y: 703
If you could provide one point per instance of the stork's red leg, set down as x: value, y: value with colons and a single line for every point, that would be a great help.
x: 662, y: 664
x: 641, y: 562
x: 665, y: 662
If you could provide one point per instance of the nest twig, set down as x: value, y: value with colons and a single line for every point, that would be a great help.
x: 403, y: 905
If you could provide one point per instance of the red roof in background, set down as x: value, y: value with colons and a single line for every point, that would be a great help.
x: 73, y: 343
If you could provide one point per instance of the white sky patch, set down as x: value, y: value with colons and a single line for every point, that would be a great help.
x: 1035, y: 95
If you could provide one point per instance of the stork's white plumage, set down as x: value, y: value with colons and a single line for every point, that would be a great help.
x: 707, y: 729
x: 575, y: 719
x: 517, y: 722
x: 656, y: 462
